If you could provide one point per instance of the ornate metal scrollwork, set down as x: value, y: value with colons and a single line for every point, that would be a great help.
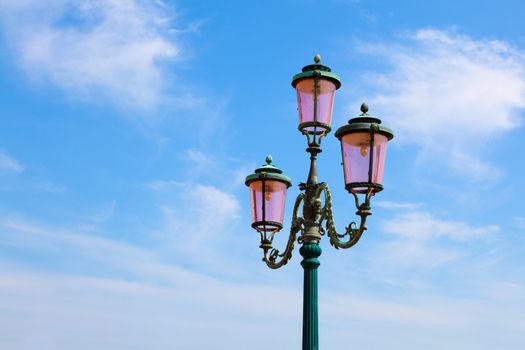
x: 271, y: 255
x: 274, y: 259
x: 353, y: 232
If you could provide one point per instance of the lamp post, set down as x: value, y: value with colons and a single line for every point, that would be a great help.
x: 363, y: 146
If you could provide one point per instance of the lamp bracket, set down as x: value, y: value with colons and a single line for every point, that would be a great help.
x: 312, y: 229
x: 352, y: 231
x: 272, y: 257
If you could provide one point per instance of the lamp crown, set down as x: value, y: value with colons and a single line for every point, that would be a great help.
x: 364, y: 123
x: 319, y: 70
x: 364, y: 108
x: 268, y: 171
x: 269, y: 167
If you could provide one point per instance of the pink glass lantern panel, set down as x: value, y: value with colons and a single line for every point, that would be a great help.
x: 356, y: 158
x: 274, y: 198
x: 325, y: 102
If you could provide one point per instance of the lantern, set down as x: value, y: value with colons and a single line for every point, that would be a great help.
x: 363, y: 148
x: 315, y: 88
x: 268, y: 188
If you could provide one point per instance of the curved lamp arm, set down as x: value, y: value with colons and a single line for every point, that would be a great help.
x: 271, y: 254
x: 352, y: 231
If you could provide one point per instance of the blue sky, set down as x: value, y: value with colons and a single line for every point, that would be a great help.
x: 127, y: 128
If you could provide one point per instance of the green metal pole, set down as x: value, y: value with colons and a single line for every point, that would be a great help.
x: 310, y: 263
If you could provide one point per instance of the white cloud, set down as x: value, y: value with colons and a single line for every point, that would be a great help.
x: 420, y: 240
x: 109, y: 49
x: 50, y: 311
x: 451, y: 95
x: 153, y: 304
x: 197, y: 221
x: 9, y: 164
x: 519, y: 222
x: 200, y: 163
x: 49, y: 187
x: 395, y: 205
x: 424, y: 226
x: 163, y: 185
x: 239, y: 175
x: 200, y: 160
x: 24, y: 233
x: 416, y: 321
x: 96, y: 219
x: 215, y: 166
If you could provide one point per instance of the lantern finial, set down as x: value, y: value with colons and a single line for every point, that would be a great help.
x: 269, y: 159
x: 317, y: 58
x: 364, y: 108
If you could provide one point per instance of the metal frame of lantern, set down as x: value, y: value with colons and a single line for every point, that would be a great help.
x: 314, y: 80
x: 266, y: 178
x: 366, y: 127
x: 316, y: 218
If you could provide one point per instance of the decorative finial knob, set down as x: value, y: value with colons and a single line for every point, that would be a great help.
x: 317, y: 58
x: 269, y: 159
x: 364, y: 108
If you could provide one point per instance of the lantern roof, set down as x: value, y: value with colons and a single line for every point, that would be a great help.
x: 364, y: 122
x: 317, y: 69
x: 268, y: 171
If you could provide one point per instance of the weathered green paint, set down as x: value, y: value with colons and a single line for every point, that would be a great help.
x: 270, y: 172
x: 357, y: 126
x: 310, y: 263
x: 314, y: 213
x: 364, y: 122
x: 318, y: 70
x: 323, y: 128
x: 322, y: 73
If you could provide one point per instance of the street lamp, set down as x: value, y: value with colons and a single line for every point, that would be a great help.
x: 363, y: 147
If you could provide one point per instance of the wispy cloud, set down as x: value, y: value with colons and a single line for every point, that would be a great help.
x: 50, y: 187
x: 159, y: 303
x: 450, y: 94
x: 419, y: 239
x: 173, y: 304
x: 519, y: 222
x: 153, y: 304
x: 100, y: 49
x: 52, y: 310
x: 424, y: 226
x: 396, y: 205
x: 418, y: 320
x: 96, y: 219
x: 9, y: 164
x: 197, y: 220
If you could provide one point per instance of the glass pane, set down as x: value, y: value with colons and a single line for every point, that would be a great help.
x: 325, y: 101
x: 274, y: 199
x: 355, y: 148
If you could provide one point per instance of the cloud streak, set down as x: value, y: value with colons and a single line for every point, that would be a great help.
x: 418, y: 240
x: 197, y: 220
x: 9, y: 164
x: 451, y: 95
x: 102, y: 49
x: 154, y: 304
x: 147, y: 303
